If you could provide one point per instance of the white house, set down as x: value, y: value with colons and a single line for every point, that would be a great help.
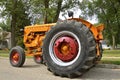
x: 5, y: 39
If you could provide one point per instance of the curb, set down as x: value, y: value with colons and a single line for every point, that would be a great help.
x: 109, y: 66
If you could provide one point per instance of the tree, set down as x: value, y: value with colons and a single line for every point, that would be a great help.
x: 50, y: 9
x: 5, y: 26
x: 107, y: 12
x: 23, y: 12
x: 16, y: 11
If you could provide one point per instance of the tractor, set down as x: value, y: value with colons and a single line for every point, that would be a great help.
x: 68, y: 48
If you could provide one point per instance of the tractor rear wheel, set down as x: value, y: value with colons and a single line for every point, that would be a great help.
x: 17, y: 56
x: 69, y: 49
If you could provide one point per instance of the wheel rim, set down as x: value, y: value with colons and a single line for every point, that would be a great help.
x: 15, y: 57
x: 64, y: 48
x: 37, y: 58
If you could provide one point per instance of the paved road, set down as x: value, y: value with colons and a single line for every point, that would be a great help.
x: 33, y: 71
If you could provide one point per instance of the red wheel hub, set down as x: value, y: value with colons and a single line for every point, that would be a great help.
x: 15, y: 57
x: 66, y: 48
x: 37, y: 57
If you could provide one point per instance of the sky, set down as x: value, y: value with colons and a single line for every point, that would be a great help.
x: 77, y: 12
x: 0, y: 19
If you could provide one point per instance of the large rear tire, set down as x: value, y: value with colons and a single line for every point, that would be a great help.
x: 69, y: 49
x: 17, y: 56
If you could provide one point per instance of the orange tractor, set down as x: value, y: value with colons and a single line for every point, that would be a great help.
x: 68, y: 48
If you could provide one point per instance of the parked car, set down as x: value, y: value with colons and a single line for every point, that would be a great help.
x: 105, y: 46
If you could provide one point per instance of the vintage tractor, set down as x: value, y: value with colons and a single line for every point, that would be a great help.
x: 68, y: 48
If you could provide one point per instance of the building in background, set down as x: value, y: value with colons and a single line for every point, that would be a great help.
x: 5, y: 39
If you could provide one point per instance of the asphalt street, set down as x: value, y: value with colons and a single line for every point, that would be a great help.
x: 33, y: 71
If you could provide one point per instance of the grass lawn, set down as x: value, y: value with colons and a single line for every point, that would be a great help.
x: 111, y: 53
x: 109, y: 56
x: 4, y: 53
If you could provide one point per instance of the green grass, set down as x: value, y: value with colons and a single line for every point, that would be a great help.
x: 111, y: 53
x: 111, y: 57
x: 111, y: 61
x: 107, y: 56
x: 4, y: 53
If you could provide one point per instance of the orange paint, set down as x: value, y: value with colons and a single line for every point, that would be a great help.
x: 34, y: 35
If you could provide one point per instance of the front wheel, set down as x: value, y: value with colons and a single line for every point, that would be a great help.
x: 17, y: 56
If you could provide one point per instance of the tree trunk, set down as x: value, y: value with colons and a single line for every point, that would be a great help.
x: 113, y: 40
x: 46, y: 3
x: 59, y: 4
x: 13, y: 25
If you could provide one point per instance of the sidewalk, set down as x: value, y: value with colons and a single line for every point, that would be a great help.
x: 109, y: 66
x: 112, y: 57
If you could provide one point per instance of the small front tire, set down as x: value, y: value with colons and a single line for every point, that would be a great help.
x: 17, y: 56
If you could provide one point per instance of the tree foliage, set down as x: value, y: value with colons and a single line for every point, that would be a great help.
x: 5, y: 26
x: 25, y: 12
x: 107, y: 12
x: 50, y: 9
x: 16, y: 11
